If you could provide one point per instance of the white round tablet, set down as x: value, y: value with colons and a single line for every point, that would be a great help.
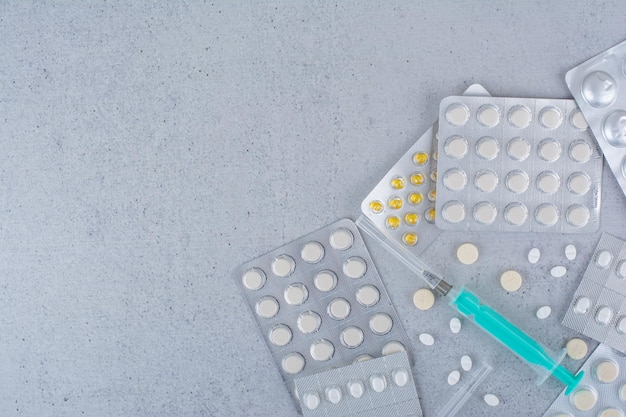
x: 486, y: 180
x: 558, y: 271
x: 456, y: 147
x: 400, y: 377
x: 267, y: 307
x: 378, y: 383
x: 393, y: 347
x: 454, y: 377
x: 570, y: 252
x: 516, y: 214
x: 604, y: 259
x: 518, y: 149
x: 466, y: 363
x: 511, y: 280
x: 620, y: 270
x: 355, y: 388
x: 367, y: 295
x: 253, y: 279
x: 457, y: 114
x: 491, y: 400
x: 584, y: 398
x: 549, y: 150
x: 582, y: 305
x: 546, y: 214
x: 576, y: 348
x: 485, y: 212
x: 325, y: 281
x: 283, y: 266
x: 488, y: 115
x: 578, y: 120
x: 453, y: 211
x: 322, y: 350
x: 520, y: 116
x: 621, y: 325
x: 380, y: 324
x: 333, y: 394
x: 580, y: 151
x: 614, y: 130
x: 427, y: 339
x: 543, y: 312
x: 309, y: 322
x: 604, y: 315
x: 534, y: 255
x: 548, y: 182
x: 599, y: 89
x: 577, y: 215
x: 455, y: 325
x: 611, y: 412
x: 341, y: 239
x: 606, y: 371
x: 550, y: 117
x: 296, y: 294
x: 487, y: 148
x: 467, y: 253
x: 423, y: 299
x: 351, y: 337
x: 354, y: 267
x: 312, y: 252
x: 338, y: 309
x: 517, y: 181
x: 280, y: 335
x: 455, y: 179
x: 311, y: 400
x: 579, y: 183
x: 293, y: 363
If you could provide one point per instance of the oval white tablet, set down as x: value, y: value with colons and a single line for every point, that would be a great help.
x: 456, y: 147
x: 312, y: 252
x: 354, y: 267
x: 293, y: 363
x: 296, y: 294
x: 620, y: 270
x: 543, y: 312
x: 621, y: 325
x: 577, y: 215
x: 558, y: 271
x: 606, y: 371
x: 341, y: 239
x: 550, y: 117
x: 548, y: 182
x: 517, y: 181
x: 511, y: 280
x: 467, y: 254
x: 338, y: 309
x: 426, y: 339
x: 267, y: 307
x: 487, y: 148
x: 582, y: 305
x: 488, y: 115
x: 355, y: 389
x: 485, y: 212
x: 486, y: 180
x: 453, y: 212
x: 518, y: 149
x: 546, y: 214
x: 578, y: 120
x: 378, y: 383
x: 520, y: 116
x: 455, y: 179
x: 466, y: 363
x: 381, y: 324
x: 491, y: 400
x: 516, y: 214
x: 534, y: 255
x: 576, y: 348
x: 311, y: 400
x: 457, y: 114
x: 579, y: 183
x: 322, y: 350
x: 599, y: 89
x: 333, y: 394
x: 351, y: 337
x: 283, y: 266
x: 455, y: 325
x: 570, y: 252
x: 280, y: 335
x: 309, y: 322
x: 454, y: 377
x: 580, y: 151
x: 604, y: 259
x: 584, y: 399
x: 368, y: 295
x: 423, y: 299
x: 549, y: 150
x: 393, y: 347
x: 325, y: 281
x: 400, y: 377
x: 253, y: 279
x: 604, y: 315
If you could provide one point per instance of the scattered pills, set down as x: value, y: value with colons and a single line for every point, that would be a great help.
x: 466, y: 363
x: 576, y: 348
x: 423, y: 299
x: 534, y: 255
x: 543, y: 312
x: 491, y: 400
x: 558, y: 271
x: 570, y: 252
x: 426, y: 339
x: 455, y: 325
x: 454, y: 377
x: 467, y: 253
x: 511, y: 280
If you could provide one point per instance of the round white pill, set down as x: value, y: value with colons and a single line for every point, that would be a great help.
x: 516, y: 214
x: 518, y: 149
x: 488, y: 115
x: 511, y: 280
x: 296, y: 294
x: 456, y: 147
x: 517, y: 181
x: 570, y: 252
x: 309, y: 322
x: 558, y: 271
x: 520, y: 116
x: 486, y: 180
x: 599, y: 89
x: 354, y: 267
x: 606, y: 371
x: 604, y: 315
x: 546, y: 214
x: 466, y: 363
x: 534, y: 255
x: 550, y: 117
x: 283, y: 266
x: 355, y: 389
x: 611, y: 412
x: 312, y: 252
x: 351, y: 337
x: 580, y: 151
x: 293, y: 363
x: 393, y: 347
x: 333, y: 394
x: 325, y: 281
x: 584, y: 399
x: 485, y: 212
x: 455, y: 179
x: 253, y: 279
x: 423, y: 299
x: 576, y: 348
x: 579, y: 183
x: 280, y: 335
x: 491, y: 400
x: 341, y: 239
x: 455, y: 325
x: 604, y: 259
x: 454, y: 377
x: 453, y: 212
x: 549, y: 150
x: 381, y: 324
x: 426, y: 339
x: 614, y: 128
x: 368, y: 295
x: 578, y: 120
x: 457, y: 114
x: 378, y: 383
x: 582, y: 305
x: 467, y: 254
x: 311, y: 400
x: 322, y: 350
x: 267, y: 307
x: 338, y: 309
x: 487, y: 148
x: 543, y: 312
x: 577, y: 215
x: 548, y: 182
x: 621, y: 269
x: 400, y: 377
x: 621, y: 325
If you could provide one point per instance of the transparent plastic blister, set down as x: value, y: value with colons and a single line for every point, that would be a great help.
x: 602, y: 391
x: 382, y: 386
x: 320, y: 303
x: 516, y: 164
x: 599, y: 87
x: 598, y: 308
x: 402, y: 204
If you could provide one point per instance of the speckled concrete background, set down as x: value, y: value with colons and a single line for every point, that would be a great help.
x: 148, y: 149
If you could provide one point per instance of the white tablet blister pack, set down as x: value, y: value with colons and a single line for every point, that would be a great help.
x: 599, y: 87
x: 601, y: 392
x: 382, y: 386
x: 598, y: 308
x: 516, y: 164
x: 402, y: 205
x: 320, y: 303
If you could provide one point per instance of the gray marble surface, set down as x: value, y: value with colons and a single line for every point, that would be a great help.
x: 149, y: 148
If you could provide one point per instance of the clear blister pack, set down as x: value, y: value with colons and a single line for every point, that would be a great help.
x: 516, y: 164
x: 402, y: 205
x: 320, y: 303
x: 598, y: 308
x: 382, y: 386
x: 599, y: 87
x: 601, y: 392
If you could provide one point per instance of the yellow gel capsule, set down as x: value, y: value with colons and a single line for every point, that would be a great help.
x: 420, y: 158
x: 410, y: 239
x: 395, y: 203
x: 416, y: 198
x: 430, y: 214
x: 411, y: 218
x: 433, y: 175
x: 417, y: 178
x: 376, y: 206
x: 393, y: 222
x: 397, y: 183
x: 432, y: 195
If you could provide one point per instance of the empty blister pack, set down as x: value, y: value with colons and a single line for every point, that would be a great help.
x: 516, y: 164
x: 599, y: 87
x: 602, y: 391
x: 598, y: 308
x: 382, y: 386
x: 319, y: 303
x: 402, y: 205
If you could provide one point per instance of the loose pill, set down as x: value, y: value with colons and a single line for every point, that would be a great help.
x: 455, y: 325
x: 467, y: 253
x: 426, y: 339
x: 558, y: 271
x: 570, y: 252
x: 423, y: 299
x: 466, y: 363
x: 544, y: 312
x: 454, y: 377
x: 584, y: 399
x: 511, y: 280
x: 491, y: 400
x: 576, y: 348
x: 534, y: 255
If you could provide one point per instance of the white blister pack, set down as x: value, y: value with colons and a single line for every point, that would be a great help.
x: 382, y: 386
x: 599, y: 87
x: 601, y: 392
x: 598, y: 308
x: 516, y: 164
x: 320, y: 303
x: 402, y: 205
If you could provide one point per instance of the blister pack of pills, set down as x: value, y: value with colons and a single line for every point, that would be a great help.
x: 402, y: 205
x: 320, y: 303
x: 382, y: 386
x: 598, y: 308
x: 601, y: 392
x: 599, y: 87
x: 516, y: 164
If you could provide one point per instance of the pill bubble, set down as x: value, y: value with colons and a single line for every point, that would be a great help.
x: 546, y: 214
x: 311, y: 400
x: 517, y: 181
x: 603, y: 259
x: 487, y: 148
x: 604, y: 315
x: 333, y: 394
x: 621, y: 269
x: 267, y: 307
x: 518, y: 149
x: 355, y: 388
x: 456, y: 147
x: 520, y: 116
x: 580, y: 151
x: 543, y: 312
x: 400, y: 377
x: 516, y: 214
x: 253, y: 279
x: 368, y: 295
x: 363, y: 358
x: 576, y: 348
x: 611, y: 412
x: 614, y: 128
x: 293, y: 363
x: 579, y: 183
x: 322, y: 350
x: 378, y: 383
x: 486, y: 180
x: 283, y: 266
x: 455, y: 325
x: 309, y: 322
x: 622, y: 393
x: 296, y: 294
x: 534, y: 255
x: 491, y: 400
x: 551, y: 117
x: 338, y: 309
x: 351, y: 337
x: 312, y: 252
x: 280, y: 335
x: 558, y: 271
x: 453, y: 212
x: 606, y: 371
x: 393, y: 347
x: 454, y: 377
x: 488, y: 115
x: 457, y: 114
x: 548, y: 182
x: 549, y: 150
x: 578, y: 120
x: 485, y: 212
x: 354, y: 267
x: 577, y: 215
x: 466, y: 363
x: 599, y: 89
x: 584, y: 398
x: 380, y: 324
x: 426, y: 339
x: 325, y: 281
x: 570, y: 252
x: 621, y: 325
x: 582, y: 305
x: 341, y: 239
x: 455, y: 179
x: 423, y: 299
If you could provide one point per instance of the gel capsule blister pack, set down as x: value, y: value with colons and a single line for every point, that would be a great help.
x: 598, y: 308
x: 599, y: 87
x: 382, y: 386
x: 516, y: 164
x: 319, y: 303
x: 601, y: 392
